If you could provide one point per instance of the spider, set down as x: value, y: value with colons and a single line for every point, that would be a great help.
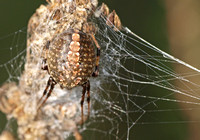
x: 70, y: 56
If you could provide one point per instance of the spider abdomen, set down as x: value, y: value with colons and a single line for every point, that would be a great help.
x: 71, y: 58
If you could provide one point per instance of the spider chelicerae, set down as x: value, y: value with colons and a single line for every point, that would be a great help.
x: 70, y: 57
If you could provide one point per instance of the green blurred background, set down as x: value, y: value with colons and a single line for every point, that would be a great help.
x: 147, y: 18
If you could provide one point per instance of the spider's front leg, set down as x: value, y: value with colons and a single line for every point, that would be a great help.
x: 51, y: 83
x: 96, y: 72
x: 91, y: 29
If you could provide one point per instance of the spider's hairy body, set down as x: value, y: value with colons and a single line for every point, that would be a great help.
x: 71, y: 59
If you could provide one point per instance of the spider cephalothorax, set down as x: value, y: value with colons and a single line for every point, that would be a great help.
x: 70, y: 56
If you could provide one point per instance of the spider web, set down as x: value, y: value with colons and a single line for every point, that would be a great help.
x: 137, y: 86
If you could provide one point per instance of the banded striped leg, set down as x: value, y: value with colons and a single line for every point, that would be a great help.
x: 50, y: 83
x: 96, y: 72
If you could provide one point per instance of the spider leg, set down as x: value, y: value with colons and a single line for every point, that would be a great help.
x: 45, y: 91
x: 44, y: 64
x: 86, y: 87
x: 44, y: 60
x: 88, y: 96
x: 96, y: 72
x: 82, y: 101
x: 50, y: 83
